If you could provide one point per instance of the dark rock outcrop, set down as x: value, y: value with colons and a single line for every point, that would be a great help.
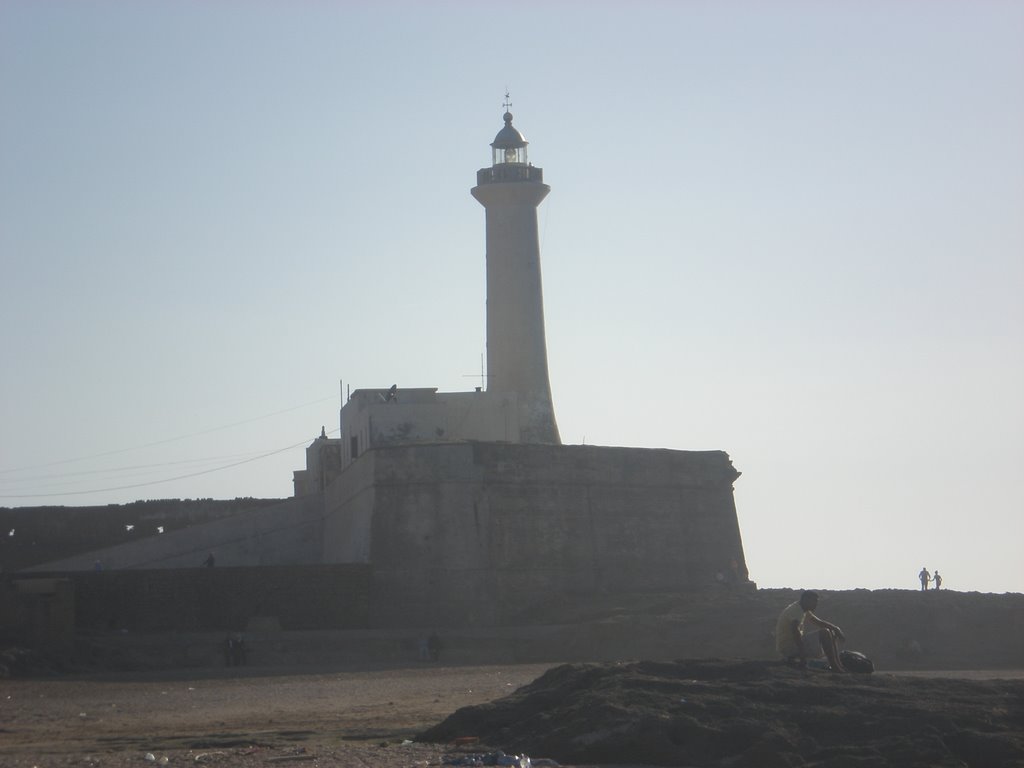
x: 749, y: 714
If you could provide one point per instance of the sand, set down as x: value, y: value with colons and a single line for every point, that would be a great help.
x: 241, y: 717
x: 266, y: 717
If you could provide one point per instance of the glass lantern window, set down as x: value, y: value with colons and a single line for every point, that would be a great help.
x: 503, y: 155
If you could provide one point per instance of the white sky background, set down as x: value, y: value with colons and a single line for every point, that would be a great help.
x: 793, y: 231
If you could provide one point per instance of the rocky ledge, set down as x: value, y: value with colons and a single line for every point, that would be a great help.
x: 749, y: 714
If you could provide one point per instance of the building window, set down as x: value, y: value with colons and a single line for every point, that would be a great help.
x: 354, y: 443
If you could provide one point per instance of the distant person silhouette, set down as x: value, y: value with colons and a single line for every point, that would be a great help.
x: 209, y: 561
x: 937, y: 579
x: 434, y: 646
x: 734, y: 572
x: 239, y: 651
x: 925, y: 578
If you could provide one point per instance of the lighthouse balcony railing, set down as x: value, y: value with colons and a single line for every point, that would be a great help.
x: 509, y: 172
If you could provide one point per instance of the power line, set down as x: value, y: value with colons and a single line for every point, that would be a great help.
x: 127, y: 468
x: 158, y: 482
x: 167, y: 440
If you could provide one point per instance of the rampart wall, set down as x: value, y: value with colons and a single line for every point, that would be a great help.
x: 38, y: 613
x: 488, y: 533
x: 229, y: 599
x: 44, y: 534
x: 286, y: 532
x: 456, y: 534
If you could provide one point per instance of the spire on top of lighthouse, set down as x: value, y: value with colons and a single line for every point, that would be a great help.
x: 509, y: 146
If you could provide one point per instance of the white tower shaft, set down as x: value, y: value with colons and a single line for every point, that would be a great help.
x: 517, y: 359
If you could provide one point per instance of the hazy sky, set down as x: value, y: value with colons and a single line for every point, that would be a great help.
x: 793, y: 231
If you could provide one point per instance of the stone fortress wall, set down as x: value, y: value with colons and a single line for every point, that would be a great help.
x: 266, y: 532
x: 323, y: 619
x: 486, y: 533
x: 33, y: 535
x: 455, y: 534
x: 222, y: 599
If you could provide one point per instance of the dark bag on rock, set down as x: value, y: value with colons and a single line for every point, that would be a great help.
x: 853, y: 661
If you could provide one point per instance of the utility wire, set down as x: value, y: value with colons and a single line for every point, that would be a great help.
x: 158, y: 482
x: 167, y: 440
x: 127, y: 468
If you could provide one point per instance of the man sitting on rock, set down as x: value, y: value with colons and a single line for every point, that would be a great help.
x: 796, y: 643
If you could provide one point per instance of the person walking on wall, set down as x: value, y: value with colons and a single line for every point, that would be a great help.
x: 938, y: 581
x: 925, y: 578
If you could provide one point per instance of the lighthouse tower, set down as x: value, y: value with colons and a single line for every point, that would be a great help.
x: 517, y: 360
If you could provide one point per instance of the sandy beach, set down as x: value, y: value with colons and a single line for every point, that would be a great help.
x: 242, y: 717
x: 257, y: 717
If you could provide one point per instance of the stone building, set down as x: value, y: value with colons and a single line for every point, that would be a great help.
x: 465, y: 506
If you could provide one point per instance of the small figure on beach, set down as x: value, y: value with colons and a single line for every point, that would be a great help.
x: 434, y: 646
x: 239, y: 651
x: 914, y: 650
x: 734, y: 571
x: 925, y: 578
x: 795, y: 643
x: 938, y: 580
x: 235, y: 651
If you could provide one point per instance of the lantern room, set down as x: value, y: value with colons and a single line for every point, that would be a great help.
x: 509, y: 146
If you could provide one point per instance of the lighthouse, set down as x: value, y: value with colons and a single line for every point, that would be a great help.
x: 517, y: 360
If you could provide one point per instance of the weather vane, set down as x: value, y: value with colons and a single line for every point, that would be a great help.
x: 508, y: 104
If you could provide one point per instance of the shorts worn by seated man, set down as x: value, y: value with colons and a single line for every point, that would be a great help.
x: 784, y: 642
